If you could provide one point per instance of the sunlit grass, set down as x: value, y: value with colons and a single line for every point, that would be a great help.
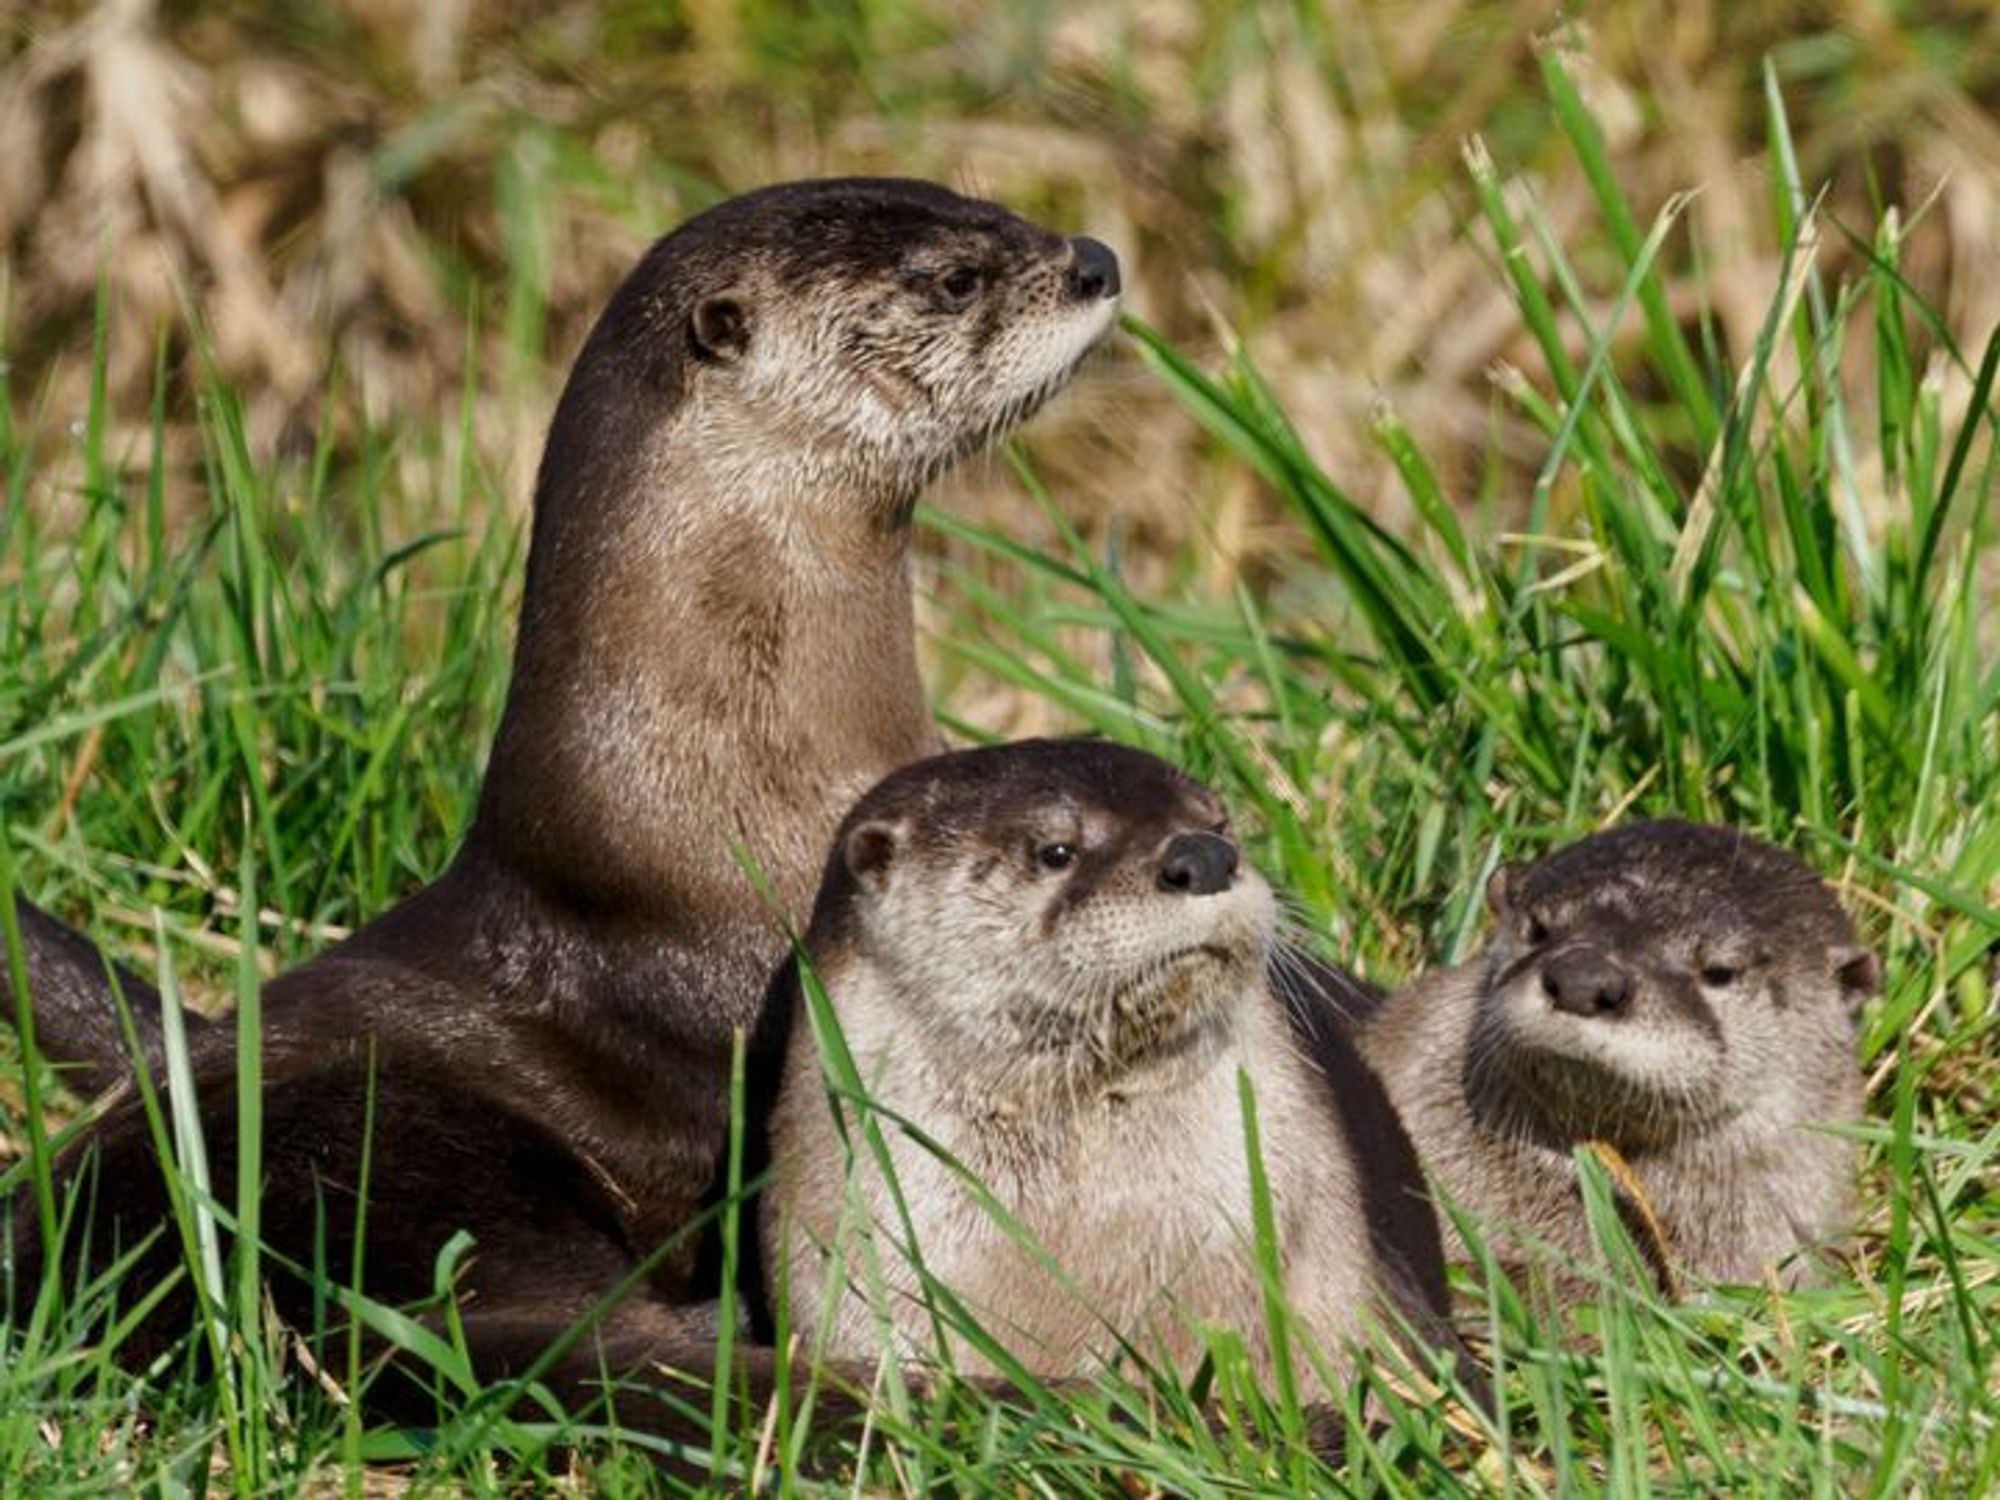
x: 1757, y: 588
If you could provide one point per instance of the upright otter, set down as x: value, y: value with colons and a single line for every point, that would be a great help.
x: 715, y: 650
x: 716, y: 654
x: 1684, y: 994
x: 1050, y: 959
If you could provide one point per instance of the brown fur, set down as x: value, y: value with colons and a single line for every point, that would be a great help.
x: 1728, y: 978
x: 1073, y: 1038
x: 715, y: 656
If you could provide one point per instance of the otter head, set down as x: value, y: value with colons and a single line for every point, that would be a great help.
x: 863, y: 332
x: 1648, y: 983
x: 1065, y: 917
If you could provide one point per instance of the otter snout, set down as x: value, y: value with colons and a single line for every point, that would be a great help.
x: 1093, y: 269
x: 1585, y: 982
x: 1198, y: 864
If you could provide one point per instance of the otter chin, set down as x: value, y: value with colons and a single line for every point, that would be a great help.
x: 1051, y: 968
x: 1681, y: 993
x: 1638, y: 1073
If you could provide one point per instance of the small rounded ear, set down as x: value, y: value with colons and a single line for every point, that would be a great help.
x: 1496, y: 890
x: 869, y: 851
x: 720, y: 328
x: 1858, y: 970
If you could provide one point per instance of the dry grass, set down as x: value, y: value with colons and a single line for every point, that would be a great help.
x: 368, y: 208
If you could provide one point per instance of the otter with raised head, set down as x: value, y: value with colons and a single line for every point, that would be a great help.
x: 716, y: 651
x: 716, y: 655
x: 1681, y: 993
x: 1050, y: 959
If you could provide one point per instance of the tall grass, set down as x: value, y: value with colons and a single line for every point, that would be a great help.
x: 1752, y: 581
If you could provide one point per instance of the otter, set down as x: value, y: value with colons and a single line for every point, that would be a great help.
x: 74, y: 991
x: 716, y: 654
x: 1683, y: 994
x: 1050, y: 958
x: 715, y: 651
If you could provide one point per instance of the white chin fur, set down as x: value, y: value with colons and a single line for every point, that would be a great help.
x: 1656, y: 1061
x: 1081, y: 339
x: 1057, y: 348
x: 1131, y: 937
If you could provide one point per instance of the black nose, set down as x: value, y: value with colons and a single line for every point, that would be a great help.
x: 1093, y: 269
x: 1198, y: 864
x: 1586, y: 984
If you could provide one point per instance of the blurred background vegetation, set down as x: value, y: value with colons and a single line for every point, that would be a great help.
x: 381, y: 208
x: 331, y: 260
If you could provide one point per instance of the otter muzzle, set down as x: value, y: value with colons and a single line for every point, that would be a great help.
x: 1093, y: 269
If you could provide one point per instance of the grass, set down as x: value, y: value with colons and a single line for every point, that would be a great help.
x: 337, y: 186
x: 1757, y: 586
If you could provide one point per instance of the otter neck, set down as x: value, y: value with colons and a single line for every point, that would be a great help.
x: 716, y: 655
x: 1559, y: 1104
x: 1049, y: 1069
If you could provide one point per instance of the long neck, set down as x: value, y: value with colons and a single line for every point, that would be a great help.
x: 716, y: 656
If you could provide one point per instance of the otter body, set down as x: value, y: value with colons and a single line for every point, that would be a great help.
x: 1048, y: 958
x: 715, y: 655
x: 1681, y: 993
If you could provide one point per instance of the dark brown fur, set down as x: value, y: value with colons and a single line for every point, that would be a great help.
x: 1683, y: 994
x: 715, y: 655
x: 75, y: 991
x: 1357, y: 1224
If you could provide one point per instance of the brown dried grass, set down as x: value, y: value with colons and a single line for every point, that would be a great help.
x: 365, y: 215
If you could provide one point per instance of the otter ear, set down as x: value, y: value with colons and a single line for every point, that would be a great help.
x: 720, y: 328
x: 1858, y: 970
x: 870, y: 850
x: 1496, y: 890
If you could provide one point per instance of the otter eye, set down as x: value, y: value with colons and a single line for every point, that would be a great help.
x: 1055, y: 856
x: 959, y: 285
x: 1717, y: 976
x: 1535, y: 931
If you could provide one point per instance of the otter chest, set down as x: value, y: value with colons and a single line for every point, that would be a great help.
x: 1133, y: 1220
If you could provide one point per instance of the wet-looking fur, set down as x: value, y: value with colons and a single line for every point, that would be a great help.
x: 1050, y: 958
x: 715, y: 656
x: 1685, y: 994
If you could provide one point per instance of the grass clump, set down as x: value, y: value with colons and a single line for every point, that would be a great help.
x: 1755, y: 587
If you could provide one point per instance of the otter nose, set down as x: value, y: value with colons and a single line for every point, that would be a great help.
x: 1093, y: 269
x: 1198, y: 864
x: 1586, y: 984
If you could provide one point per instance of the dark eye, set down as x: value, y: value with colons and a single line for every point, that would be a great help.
x: 1055, y: 856
x: 1536, y: 932
x: 1716, y: 976
x: 958, y: 286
